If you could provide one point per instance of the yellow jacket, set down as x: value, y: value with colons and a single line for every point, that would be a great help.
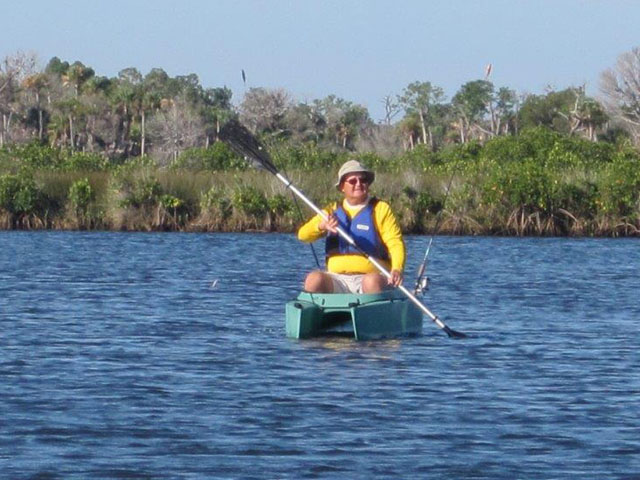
x: 387, y: 227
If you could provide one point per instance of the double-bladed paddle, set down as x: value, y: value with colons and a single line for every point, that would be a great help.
x: 245, y: 144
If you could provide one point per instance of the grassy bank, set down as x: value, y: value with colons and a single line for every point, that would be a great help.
x: 538, y: 183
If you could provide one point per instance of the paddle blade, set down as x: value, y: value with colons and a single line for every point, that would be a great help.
x: 453, y: 333
x: 245, y: 144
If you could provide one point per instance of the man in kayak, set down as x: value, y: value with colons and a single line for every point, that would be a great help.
x: 370, y: 223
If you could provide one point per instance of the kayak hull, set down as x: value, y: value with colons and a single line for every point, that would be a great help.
x: 363, y: 316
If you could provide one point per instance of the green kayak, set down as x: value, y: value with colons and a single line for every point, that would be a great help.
x: 365, y: 316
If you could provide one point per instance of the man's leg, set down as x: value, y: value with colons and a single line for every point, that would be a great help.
x: 318, y: 282
x: 374, y: 283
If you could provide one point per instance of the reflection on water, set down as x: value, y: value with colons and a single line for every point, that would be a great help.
x: 164, y: 356
x: 339, y: 344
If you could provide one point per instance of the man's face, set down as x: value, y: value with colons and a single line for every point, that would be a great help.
x: 355, y: 187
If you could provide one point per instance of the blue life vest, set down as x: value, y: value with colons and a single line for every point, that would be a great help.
x: 362, y: 228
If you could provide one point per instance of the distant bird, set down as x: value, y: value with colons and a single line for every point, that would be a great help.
x: 487, y: 71
x: 244, y: 77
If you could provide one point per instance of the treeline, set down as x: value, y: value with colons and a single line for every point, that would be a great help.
x: 537, y: 183
x: 70, y: 106
x: 142, y: 152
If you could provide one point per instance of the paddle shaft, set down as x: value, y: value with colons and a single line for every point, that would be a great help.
x: 375, y: 262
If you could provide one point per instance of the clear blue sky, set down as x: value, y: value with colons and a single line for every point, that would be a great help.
x: 360, y: 50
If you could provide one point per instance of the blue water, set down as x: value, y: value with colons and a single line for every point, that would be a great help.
x: 120, y: 358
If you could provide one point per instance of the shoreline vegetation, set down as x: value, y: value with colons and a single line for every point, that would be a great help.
x: 79, y: 151
x: 540, y: 183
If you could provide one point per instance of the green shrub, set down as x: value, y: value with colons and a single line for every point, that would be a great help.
x: 619, y: 187
x: 460, y: 153
x: 373, y: 161
x: 307, y: 157
x: 250, y: 201
x: 421, y: 157
x: 215, y: 202
x: 85, y: 162
x: 516, y: 185
x: 80, y: 196
x: 132, y: 165
x: 37, y: 156
x: 19, y: 194
x: 170, y: 202
x: 577, y: 197
x: 280, y: 205
x: 175, y: 207
x: 508, y: 149
x: 218, y: 157
x: 421, y: 201
x: 141, y: 192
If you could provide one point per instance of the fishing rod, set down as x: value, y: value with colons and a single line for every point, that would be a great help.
x: 245, y: 144
x: 422, y: 280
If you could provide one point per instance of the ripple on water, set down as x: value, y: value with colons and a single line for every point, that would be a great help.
x: 120, y: 361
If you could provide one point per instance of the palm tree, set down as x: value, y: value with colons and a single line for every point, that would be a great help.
x: 35, y: 84
x: 409, y: 128
x: 76, y: 76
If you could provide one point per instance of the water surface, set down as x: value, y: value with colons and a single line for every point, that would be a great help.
x: 120, y: 358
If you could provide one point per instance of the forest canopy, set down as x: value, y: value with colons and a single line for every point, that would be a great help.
x: 70, y: 105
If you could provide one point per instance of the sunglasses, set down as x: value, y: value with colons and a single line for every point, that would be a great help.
x: 354, y: 180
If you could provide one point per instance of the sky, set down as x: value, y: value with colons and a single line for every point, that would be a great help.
x: 358, y: 50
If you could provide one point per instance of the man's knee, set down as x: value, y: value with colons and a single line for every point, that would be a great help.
x: 373, y: 283
x: 318, y: 282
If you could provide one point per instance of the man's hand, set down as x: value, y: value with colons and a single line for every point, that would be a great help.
x: 396, y: 278
x: 329, y: 225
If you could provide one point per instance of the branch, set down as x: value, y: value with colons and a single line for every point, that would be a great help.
x: 484, y: 130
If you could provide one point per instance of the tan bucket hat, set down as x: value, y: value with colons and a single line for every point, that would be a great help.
x: 354, y: 166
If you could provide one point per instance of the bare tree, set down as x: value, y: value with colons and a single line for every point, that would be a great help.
x: 264, y: 109
x: 391, y: 109
x: 621, y: 88
x: 13, y: 70
x: 585, y: 115
x: 175, y: 128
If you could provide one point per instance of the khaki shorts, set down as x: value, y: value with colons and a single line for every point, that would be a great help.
x: 346, y: 283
